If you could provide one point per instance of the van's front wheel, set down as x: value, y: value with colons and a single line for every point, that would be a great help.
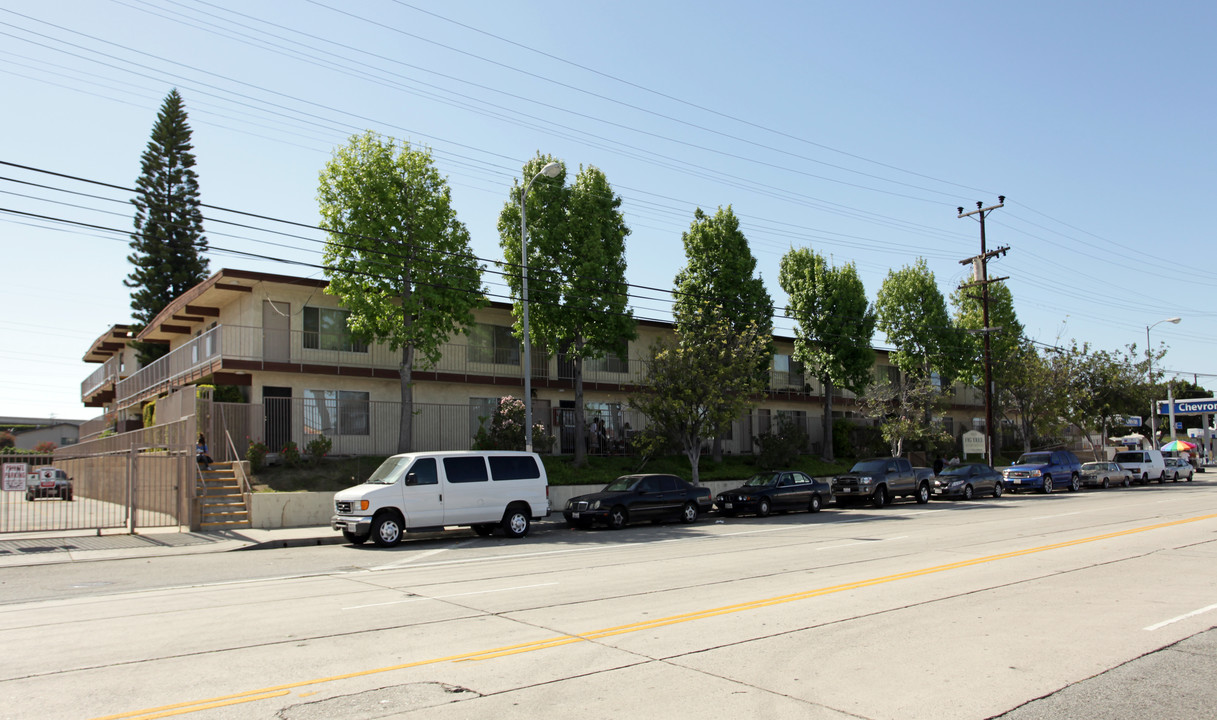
x: 386, y: 530
x: 516, y: 522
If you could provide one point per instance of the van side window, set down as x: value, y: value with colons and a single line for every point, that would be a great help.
x: 514, y: 467
x: 465, y: 469
x: 425, y: 471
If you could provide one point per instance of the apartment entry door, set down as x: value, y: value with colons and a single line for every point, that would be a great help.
x: 276, y: 331
x: 277, y: 409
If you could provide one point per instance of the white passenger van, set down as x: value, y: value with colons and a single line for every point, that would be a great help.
x: 1145, y: 465
x: 426, y: 491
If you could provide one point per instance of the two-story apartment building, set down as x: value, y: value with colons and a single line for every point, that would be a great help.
x: 284, y: 344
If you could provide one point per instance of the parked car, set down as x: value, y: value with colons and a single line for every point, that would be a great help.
x: 879, y: 480
x: 779, y: 490
x: 1044, y: 471
x: 426, y: 491
x: 48, y: 482
x: 1104, y: 474
x: 1145, y: 465
x: 968, y: 480
x: 631, y: 498
x: 1179, y: 468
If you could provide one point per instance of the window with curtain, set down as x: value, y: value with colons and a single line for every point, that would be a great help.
x: 493, y: 344
x: 326, y: 329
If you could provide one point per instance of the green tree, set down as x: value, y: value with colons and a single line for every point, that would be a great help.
x: 835, y: 323
x: 698, y: 385
x: 1104, y: 385
x: 720, y: 271
x: 168, y: 243
x: 1034, y: 388
x: 397, y: 255
x: 912, y: 313
x: 577, y: 293
x: 1005, y: 342
x: 901, y: 408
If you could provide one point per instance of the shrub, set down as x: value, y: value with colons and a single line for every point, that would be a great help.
x: 291, y: 454
x: 150, y: 414
x: 319, y: 447
x: 256, y: 455
x: 780, y: 446
x: 7, y: 439
x: 46, y: 446
x: 506, y: 430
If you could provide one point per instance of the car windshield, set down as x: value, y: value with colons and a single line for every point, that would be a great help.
x: 389, y: 471
x: 1129, y: 457
x: 1094, y: 466
x: 1034, y: 459
x: 869, y: 466
x: 956, y: 470
x: 622, y: 484
x: 762, y: 480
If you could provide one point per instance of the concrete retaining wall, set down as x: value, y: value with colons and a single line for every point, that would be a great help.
x: 270, y: 511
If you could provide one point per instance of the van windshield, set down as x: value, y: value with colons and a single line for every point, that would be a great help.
x: 389, y: 471
x: 1129, y: 457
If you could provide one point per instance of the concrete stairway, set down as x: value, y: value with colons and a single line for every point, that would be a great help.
x: 222, y: 501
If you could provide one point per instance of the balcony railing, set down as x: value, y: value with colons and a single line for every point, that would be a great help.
x: 309, y: 351
x: 107, y: 374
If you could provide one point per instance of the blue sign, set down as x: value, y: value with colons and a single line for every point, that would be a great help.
x: 1189, y: 407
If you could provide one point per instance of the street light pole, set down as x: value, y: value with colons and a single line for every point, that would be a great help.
x: 550, y: 170
x: 1153, y: 404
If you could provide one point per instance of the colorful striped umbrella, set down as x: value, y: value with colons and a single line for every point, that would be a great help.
x: 1177, y: 445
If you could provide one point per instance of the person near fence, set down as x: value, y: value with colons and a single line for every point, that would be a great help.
x: 200, y: 452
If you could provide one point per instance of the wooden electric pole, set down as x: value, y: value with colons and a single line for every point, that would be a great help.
x: 980, y: 276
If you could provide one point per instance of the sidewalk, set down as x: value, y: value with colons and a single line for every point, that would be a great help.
x: 20, y: 549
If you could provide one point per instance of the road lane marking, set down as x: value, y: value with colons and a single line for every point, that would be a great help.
x: 415, y: 556
x: 862, y: 542
x: 560, y: 640
x: 447, y: 597
x: 1184, y: 616
x: 1045, y: 517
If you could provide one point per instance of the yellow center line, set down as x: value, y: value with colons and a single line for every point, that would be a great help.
x: 560, y: 640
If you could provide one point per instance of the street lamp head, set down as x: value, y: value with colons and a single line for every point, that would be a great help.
x: 1174, y: 320
x: 551, y: 169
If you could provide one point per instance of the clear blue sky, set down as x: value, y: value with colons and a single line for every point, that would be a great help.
x: 855, y: 128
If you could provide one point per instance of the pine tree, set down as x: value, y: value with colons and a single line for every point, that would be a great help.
x: 168, y: 242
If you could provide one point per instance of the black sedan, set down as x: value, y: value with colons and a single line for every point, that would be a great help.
x: 780, y: 490
x: 631, y: 498
x: 968, y: 480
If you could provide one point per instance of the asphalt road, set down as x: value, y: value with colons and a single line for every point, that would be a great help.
x: 1093, y: 604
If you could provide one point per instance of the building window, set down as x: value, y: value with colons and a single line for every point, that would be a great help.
x: 493, y: 344
x: 614, y: 361
x: 336, y: 412
x: 327, y: 329
x: 787, y: 372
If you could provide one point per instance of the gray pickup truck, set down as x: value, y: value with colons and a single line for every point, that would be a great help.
x: 879, y: 480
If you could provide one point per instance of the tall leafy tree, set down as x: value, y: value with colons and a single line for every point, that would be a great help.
x: 720, y: 271
x: 835, y: 323
x: 912, y: 313
x: 699, y: 384
x: 168, y: 243
x: 397, y: 255
x: 1033, y: 387
x: 577, y: 293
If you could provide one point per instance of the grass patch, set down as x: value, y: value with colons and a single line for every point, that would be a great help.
x: 334, y: 474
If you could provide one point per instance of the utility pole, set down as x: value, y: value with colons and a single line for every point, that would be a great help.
x: 980, y: 276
